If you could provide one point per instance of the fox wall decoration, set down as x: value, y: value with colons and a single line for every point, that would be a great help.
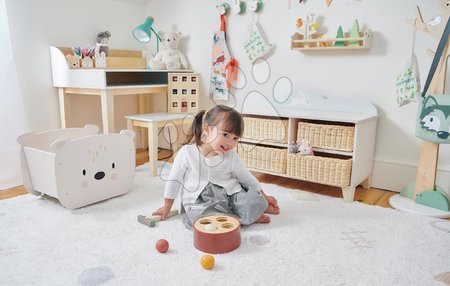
x: 433, y: 119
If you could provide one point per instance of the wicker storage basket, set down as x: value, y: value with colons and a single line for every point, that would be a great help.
x: 325, y: 136
x: 323, y: 170
x: 263, y: 158
x: 271, y: 130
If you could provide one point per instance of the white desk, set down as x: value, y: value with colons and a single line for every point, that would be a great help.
x: 105, y: 83
x: 107, y: 100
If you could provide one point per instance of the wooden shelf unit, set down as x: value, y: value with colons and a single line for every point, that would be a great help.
x: 363, y: 147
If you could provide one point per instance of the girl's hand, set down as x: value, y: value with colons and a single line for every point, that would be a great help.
x: 162, y: 211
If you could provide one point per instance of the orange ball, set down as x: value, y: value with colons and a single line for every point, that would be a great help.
x: 207, y: 261
x: 162, y: 245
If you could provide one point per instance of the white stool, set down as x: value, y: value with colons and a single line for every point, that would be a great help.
x: 154, y: 121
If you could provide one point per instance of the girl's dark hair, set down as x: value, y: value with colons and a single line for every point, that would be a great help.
x: 231, y: 120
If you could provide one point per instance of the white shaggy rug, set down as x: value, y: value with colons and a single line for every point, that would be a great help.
x: 316, y: 240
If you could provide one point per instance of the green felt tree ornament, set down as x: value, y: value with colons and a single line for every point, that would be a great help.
x: 339, y: 35
x: 354, y: 34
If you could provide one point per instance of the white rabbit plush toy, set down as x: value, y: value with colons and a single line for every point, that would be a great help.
x: 304, y: 148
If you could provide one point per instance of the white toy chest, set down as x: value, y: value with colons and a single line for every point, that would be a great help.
x: 78, y: 166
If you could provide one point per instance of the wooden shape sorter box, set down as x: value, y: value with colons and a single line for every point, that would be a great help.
x: 217, y: 234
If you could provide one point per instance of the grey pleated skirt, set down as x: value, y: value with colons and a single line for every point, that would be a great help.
x: 247, y: 205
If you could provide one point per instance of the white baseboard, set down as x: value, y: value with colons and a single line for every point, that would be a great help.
x: 393, y: 176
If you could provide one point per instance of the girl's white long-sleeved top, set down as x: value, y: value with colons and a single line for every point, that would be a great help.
x: 192, y: 171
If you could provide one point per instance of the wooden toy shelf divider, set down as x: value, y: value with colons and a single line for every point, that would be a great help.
x: 300, y: 44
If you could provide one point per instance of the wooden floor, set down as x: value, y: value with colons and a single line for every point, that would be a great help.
x: 370, y: 197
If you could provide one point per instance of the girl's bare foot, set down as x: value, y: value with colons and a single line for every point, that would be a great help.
x: 272, y: 210
x: 263, y: 219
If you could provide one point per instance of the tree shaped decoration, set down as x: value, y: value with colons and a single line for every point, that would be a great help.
x: 340, y: 34
x: 354, y: 34
x: 307, y: 28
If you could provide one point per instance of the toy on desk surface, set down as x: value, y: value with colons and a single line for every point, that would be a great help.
x: 169, y: 56
x: 151, y: 220
x: 74, y: 61
x: 102, y: 43
x: 217, y: 234
x: 87, y: 63
x: 82, y: 57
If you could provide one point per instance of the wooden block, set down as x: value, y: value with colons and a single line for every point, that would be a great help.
x: 151, y: 220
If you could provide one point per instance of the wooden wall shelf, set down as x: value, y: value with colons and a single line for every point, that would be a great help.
x: 300, y: 44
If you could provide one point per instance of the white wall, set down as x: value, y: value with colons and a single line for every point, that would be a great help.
x: 36, y: 25
x: 339, y: 74
x: 11, y: 106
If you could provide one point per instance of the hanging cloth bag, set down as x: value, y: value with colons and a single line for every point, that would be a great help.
x: 223, y: 66
x: 433, y: 116
x: 256, y: 45
x: 408, y: 81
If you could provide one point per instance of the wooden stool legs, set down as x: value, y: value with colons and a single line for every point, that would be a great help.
x: 153, y: 147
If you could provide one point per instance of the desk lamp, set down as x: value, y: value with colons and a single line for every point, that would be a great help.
x: 143, y: 32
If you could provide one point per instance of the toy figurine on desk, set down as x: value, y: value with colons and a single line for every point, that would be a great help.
x: 102, y: 49
x: 102, y: 43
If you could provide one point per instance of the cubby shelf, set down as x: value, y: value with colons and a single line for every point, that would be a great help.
x: 336, y: 167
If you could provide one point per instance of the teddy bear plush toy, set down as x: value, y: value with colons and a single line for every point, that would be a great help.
x: 169, y: 57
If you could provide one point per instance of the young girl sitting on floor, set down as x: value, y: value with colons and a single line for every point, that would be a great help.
x: 212, y: 177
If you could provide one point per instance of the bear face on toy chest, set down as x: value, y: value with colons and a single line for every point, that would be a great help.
x: 94, y: 168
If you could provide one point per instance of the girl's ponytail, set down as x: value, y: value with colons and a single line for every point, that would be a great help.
x: 195, y: 131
